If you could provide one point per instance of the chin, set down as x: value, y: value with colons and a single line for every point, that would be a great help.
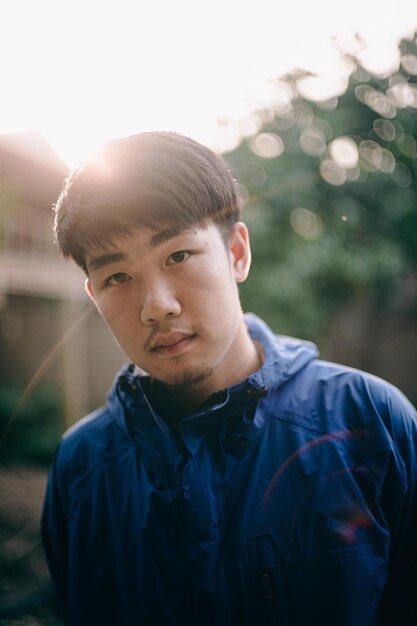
x: 186, y: 378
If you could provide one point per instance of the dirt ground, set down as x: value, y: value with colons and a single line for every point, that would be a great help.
x: 26, y: 597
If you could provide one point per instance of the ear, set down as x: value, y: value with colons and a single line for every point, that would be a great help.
x: 240, y: 253
x: 89, y: 290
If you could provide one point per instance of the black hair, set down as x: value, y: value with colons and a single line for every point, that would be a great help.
x: 159, y: 181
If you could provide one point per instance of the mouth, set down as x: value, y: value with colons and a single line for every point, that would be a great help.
x: 172, y: 345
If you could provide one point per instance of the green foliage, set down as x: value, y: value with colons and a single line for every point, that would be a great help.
x: 331, y: 194
x: 29, y: 424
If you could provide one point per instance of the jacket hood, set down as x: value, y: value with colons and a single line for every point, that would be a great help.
x: 284, y: 356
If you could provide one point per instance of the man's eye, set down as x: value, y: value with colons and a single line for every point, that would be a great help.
x: 177, y: 257
x: 116, y: 279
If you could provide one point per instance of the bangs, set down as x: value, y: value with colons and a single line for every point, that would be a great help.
x: 154, y: 181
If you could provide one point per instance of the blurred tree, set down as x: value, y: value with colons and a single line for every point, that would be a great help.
x: 331, y: 201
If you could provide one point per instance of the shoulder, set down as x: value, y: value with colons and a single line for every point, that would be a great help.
x: 368, y: 394
x: 331, y: 397
x: 92, y: 426
x: 90, y: 423
x: 93, y: 440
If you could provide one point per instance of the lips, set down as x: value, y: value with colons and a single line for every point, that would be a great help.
x: 171, y: 343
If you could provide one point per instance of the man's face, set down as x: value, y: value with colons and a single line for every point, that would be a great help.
x: 172, y: 303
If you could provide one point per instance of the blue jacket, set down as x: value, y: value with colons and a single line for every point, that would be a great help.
x: 291, y: 501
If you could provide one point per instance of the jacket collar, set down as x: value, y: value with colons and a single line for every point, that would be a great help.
x: 284, y: 357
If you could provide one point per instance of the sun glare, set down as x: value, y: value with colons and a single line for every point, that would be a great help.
x: 83, y: 73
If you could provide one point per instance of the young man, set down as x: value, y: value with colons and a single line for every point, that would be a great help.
x: 232, y: 477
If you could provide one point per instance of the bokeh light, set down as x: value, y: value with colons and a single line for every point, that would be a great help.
x: 313, y: 141
x: 267, y: 145
x: 345, y: 152
x: 332, y: 173
x: 409, y: 63
x: 305, y: 223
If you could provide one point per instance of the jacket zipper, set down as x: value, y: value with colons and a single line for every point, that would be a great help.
x: 268, y: 596
x: 185, y: 482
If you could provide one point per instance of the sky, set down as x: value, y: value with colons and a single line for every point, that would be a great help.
x: 82, y: 72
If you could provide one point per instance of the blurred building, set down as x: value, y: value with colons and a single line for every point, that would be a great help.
x: 48, y: 329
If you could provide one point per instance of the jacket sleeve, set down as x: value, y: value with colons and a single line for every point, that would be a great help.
x: 54, y: 532
x: 399, y: 501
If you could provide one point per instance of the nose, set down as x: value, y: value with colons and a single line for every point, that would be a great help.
x: 159, y: 303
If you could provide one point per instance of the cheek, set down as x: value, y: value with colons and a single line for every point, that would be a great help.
x: 115, y: 313
x: 211, y: 276
x: 206, y: 294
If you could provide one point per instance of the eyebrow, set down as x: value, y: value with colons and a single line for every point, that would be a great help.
x: 105, y: 259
